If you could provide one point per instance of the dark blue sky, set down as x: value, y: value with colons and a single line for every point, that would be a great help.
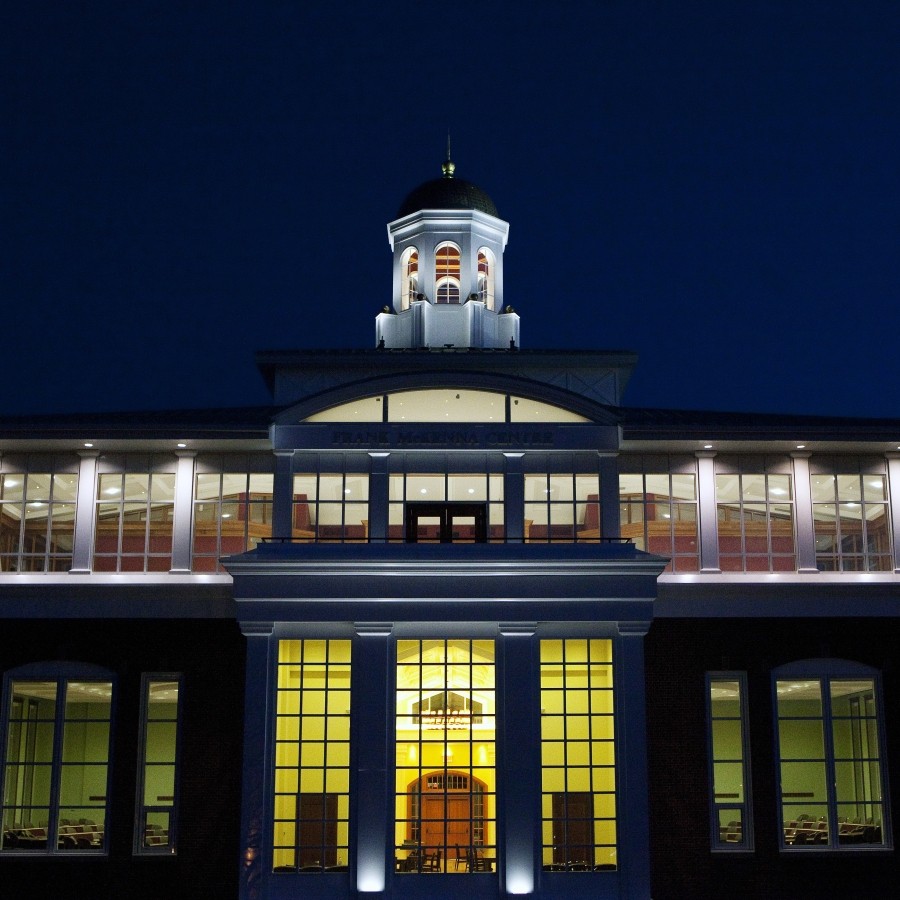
x: 715, y: 185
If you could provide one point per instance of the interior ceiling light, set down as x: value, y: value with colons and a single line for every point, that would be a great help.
x: 707, y: 446
x: 801, y: 446
x: 88, y: 444
x: 181, y: 445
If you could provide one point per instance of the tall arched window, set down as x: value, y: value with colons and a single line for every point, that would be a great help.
x: 409, y: 267
x: 446, y: 273
x: 486, y: 277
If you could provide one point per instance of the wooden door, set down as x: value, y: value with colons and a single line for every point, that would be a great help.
x: 317, y: 829
x: 573, y: 826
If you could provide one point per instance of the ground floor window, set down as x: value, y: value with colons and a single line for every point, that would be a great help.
x: 157, y: 772
x: 312, y: 756
x: 445, y: 789
x: 729, y: 759
x: 578, y: 777
x: 56, y: 761
x: 830, y: 756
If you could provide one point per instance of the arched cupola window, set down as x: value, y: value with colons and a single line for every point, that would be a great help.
x: 446, y: 273
x: 485, y: 287
x: 409, y: 266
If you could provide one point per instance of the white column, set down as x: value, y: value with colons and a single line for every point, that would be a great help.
x: 706, y: 488
x: 893, y: 467
x: 803, y: 515
x: 183, y: 516
x: 85, y: 509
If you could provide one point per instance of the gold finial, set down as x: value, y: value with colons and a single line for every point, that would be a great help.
x: 448, y: 168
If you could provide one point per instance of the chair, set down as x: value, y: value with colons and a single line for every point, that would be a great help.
x: 432, y: 862
x: 462, y: 856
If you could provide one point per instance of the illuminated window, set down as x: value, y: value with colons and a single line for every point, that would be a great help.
x: 446, y: 273
x: 446, y: 405
x: 563, y: 507
x: 134, y: 516
x: 658, y: 511
x: 56, y: 761
x: 446, y: 508
x: 312, y: 756
x: 729, y: 758
x: 232, y: 514
x: 850, y: 514
x: 158, y: 768
x: 331, y: 507
x: 445, y: 751
x: 755, y: 522
x: 409, y: 266
x: 485, y: 286
x: 37, y: 521
x: 578, y: 775
x: 830, y: 748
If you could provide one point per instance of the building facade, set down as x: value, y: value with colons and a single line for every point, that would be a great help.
x: 446, y: 619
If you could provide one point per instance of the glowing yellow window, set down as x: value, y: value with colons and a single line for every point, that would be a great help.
x: 578, y: 776
x: 312, y: 756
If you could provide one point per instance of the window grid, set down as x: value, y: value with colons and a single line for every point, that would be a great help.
x: 829, y: 752
x: 755, y: 514
x: 578, y: 778
x: 440, y: 487
x: 312, y: 756
x: 56, y: 766
x: 446, y: 273
x: 134, y: 521
x: 445, y: 752
x: 562, y: 508
x: 37, y: 521
x: 850, y: 515
x: 331, y: 507
x: 158, y: 767
x: 729, y: 758
x: 486, y: 277
x: 658, y: 511
x: 232, y: 514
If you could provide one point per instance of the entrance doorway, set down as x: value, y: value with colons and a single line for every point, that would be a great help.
x: 446, y: 813
x: 446, y: 523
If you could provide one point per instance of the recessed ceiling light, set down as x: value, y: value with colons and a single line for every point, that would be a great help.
x: 181, y: 445
x: 707, y: 446
x: 88, y: 444
x: 801, y: 446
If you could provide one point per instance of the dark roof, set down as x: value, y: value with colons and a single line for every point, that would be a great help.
x: 447, y: 193
x: 685, y: 424
x: 231, y: 422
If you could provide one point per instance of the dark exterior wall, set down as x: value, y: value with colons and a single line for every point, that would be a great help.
x: 210, y: 656
x: 679, y: 652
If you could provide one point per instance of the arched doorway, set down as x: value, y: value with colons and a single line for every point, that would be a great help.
x: 446, y: 811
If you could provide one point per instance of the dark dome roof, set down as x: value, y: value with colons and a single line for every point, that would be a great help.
x: 447, y: 193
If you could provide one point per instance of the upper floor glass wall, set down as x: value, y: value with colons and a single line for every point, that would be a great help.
x: 658, y: 510
x: 755, y: 513
x: 133, y: 520
x: 850, y: 515
x: 37, y: 518
x: 232, y: 514
x: 764, y: 520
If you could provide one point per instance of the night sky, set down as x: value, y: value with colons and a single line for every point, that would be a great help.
x: 714, y: 185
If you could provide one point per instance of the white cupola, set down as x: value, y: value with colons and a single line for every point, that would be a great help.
x: 448, y: 244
